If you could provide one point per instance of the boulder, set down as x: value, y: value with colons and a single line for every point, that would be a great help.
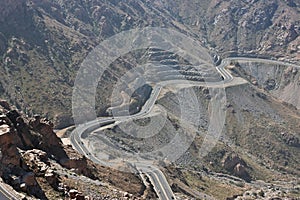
x: 8, y: 139
x: 49, y: 141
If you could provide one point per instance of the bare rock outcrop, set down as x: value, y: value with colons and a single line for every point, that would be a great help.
x: 14, y: 169
x: 236, y: 166
x: 26, y: 148
x: 8, y: 140
x: 48, y: 141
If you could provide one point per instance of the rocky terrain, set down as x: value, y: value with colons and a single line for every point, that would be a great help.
x: 37, y: 165
x: 280, y: 81
x: 42, y: 47
x: 260, y: 142
x: 267, y: 28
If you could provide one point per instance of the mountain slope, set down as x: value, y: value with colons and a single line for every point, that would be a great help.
x: 269, y: 28
x: 43, y: 47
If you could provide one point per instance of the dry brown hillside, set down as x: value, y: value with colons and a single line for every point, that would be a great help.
x: 42, y: 43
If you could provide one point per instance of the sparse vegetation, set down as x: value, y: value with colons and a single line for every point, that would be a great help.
x: 43, y: 44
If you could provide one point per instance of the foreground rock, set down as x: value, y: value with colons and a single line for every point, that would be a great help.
x: 34, y: 161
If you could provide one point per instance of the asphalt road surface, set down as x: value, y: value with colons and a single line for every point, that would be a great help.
x: 156, y: 177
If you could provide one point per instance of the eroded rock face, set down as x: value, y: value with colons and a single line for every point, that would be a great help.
x: 30, y: 185
x: 37, y: 161
x: 20, y: 162
x: 26, y: 146
x: 236, y: 166
x: 48, y: 141
x: 8, y: 140
x: 14, y: 168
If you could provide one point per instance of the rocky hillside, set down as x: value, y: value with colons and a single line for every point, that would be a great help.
x: 43, y: 45
x: 279, y: 81
x: 248, y: 27
x: 35, y: 163
x: 256, y: 155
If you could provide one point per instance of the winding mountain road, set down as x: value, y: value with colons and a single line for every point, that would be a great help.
x: 156, y: 177
x: 260, y: 60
